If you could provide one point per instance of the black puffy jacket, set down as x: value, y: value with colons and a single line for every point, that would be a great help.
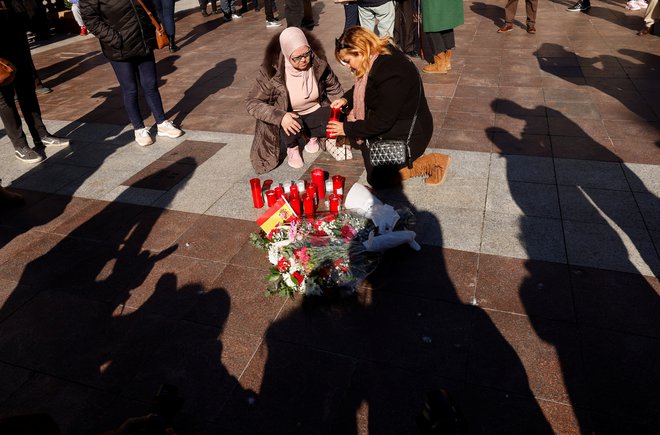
x: 122, y: 27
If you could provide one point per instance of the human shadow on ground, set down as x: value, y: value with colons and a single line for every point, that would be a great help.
x: 104, y: 310
x: 492, y: 12
x: 220, y: 76
x: 363, y: 364
x: 67, y: 69
x: 603, y: 324
x: 208, y: 26
x: 615, y: 76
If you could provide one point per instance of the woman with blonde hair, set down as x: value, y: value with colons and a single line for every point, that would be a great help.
x: 386, y: 101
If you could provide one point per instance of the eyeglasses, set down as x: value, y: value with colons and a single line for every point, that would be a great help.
x: 339, y: 45
x: 297, y: 59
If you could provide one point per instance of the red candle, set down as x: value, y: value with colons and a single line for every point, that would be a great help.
x: 308, y: 204
x: 338, y: 184
x: 294, y: 201
x: 271, y: 197
x: 334, y: 116
x: 293, y: 190
x: 257, y: 196
x: 279, y: 192
x: 318, y: 179
x: 334, y: 203
x: 311, y: 192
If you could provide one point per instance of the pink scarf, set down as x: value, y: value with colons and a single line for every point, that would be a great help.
x: 359, y: 91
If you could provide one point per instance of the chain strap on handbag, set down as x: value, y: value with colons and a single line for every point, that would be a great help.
x: 394, y: 151
x: 161, y: 36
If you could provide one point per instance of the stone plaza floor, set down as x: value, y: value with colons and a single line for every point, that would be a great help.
x: 534, y: 301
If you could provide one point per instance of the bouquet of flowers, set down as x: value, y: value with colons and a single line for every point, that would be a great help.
x: 331, y: 252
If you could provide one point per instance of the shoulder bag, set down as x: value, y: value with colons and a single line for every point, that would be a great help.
x: 393, y: 151
x: 7, y: 72
x: 161, y: 36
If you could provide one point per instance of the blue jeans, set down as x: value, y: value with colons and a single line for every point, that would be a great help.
x: 165, y: 9
x: 142, y: 69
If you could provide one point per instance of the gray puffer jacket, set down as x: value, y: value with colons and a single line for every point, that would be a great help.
x: 268, y: 100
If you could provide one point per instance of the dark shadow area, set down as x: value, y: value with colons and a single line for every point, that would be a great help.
x: 363, y: 364
x: 64, y: 70
x: 609, y: 328
x: 219, y: 77
x: 209, y: 25
x: 104, y: 312
x: 492, y: 12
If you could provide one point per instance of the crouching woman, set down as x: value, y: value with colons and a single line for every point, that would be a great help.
x: 290, y: 100
x: 387, y: 96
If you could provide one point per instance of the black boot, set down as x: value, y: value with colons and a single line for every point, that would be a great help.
x: 203, y: 9
x: 173, y: 46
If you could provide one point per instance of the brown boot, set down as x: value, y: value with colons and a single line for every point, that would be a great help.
x: 8, y: 198
x: 434, y: 166
x: 439, y: 66
x: 448, y: 60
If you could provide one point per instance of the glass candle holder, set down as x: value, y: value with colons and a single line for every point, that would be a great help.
x: 338, y: 184
x: 271, y: 197
x: 257, y: 195
x: 318, y: 179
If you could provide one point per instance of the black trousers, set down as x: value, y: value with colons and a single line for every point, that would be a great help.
x: 441, y: 41
x: 404, y: 25
x: 294, y: 10
x: 313, y: 125
x: 18, y: 53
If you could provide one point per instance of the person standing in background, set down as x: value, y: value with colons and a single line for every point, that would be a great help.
x: 75, y: 10
x: 165, y: 9
x: 380, y: 10
x: 439, y: 18
x: 15, y: 49
x: 530, y: 9
x: 127, y: 40
x: 652, y: 13
x: 405, y: 26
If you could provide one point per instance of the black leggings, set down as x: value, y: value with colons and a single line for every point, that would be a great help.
x: 313, y: 125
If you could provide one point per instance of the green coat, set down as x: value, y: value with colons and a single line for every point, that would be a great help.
x: 438, y: 15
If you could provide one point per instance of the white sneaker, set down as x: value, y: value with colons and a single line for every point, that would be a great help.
x: 236, y: 16
x: 632, y: 5
x: 642, y: 4
x: 142, y: 137
x: 273, y: 23
x: 166, y: 128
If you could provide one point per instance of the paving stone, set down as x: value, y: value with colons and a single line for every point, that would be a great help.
x: 535, y: 238
x: 603, y: 175
x: 522, y: 168
x: 527, y: 199
x: 600, y: 206
x: 613, y: 248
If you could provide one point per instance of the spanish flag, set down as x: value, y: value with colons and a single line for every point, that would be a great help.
x: 278, y: 213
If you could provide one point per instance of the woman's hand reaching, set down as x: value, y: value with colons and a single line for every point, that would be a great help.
x: 289, y: 123
x: 338, y: 103
x: 335, y: 127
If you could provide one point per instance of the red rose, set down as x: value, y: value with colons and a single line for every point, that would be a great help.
x: 297, y: 277
x: 329, y: 218
x: 283, y: 265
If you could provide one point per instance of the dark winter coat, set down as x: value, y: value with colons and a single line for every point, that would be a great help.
x: 390, y: 101
x: 13, y: 43
x: 268, y: 100
x: 122, y: 27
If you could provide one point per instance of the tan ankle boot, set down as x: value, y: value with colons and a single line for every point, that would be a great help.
x: 434, y: 166
x: 448, y: 60
x: 439, y: 66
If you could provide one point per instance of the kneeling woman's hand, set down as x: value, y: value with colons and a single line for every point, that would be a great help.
x: 289, y: 123
x: 335, y: 127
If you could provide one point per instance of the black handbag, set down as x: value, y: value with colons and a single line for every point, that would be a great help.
x: 393, y: 151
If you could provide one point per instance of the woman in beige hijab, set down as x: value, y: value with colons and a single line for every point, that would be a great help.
x: 290, y: 100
